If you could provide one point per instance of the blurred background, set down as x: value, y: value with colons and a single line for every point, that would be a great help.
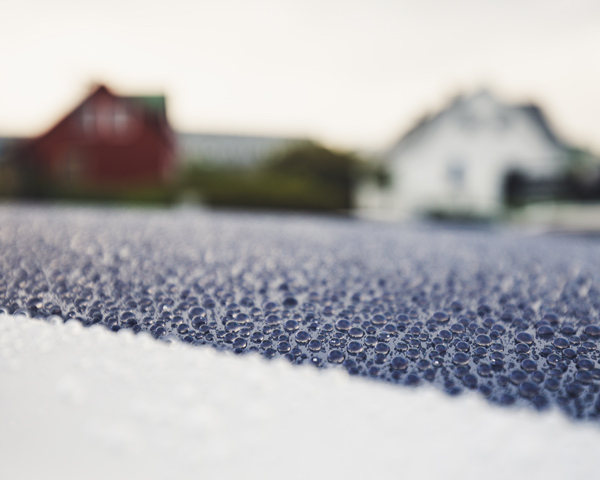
x: 464, y: 110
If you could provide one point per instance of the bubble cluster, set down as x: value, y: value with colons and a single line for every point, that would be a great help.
x: 513, y: 317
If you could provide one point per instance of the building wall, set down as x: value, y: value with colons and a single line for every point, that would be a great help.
x: 107, y: 141
x: 459, y: 162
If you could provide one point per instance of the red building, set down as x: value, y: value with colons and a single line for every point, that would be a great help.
x: 107, y: 142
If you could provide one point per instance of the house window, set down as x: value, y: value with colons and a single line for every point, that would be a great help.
x: 107, y: 120
x: 122, y: 120
x: 88, y: 121
x: 455, y: 174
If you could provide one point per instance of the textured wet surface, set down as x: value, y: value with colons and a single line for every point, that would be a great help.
x: 512, y: 316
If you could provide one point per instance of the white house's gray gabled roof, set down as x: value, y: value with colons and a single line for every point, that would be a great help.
x: 466, y: 103
x: 538, y: 116
x: 231, y: 150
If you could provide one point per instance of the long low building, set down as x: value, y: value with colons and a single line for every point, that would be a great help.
x: 230, y: 150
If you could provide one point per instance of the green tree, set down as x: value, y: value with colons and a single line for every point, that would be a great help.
x: 332, y: 170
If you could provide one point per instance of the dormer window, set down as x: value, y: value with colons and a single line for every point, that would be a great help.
x: 122, y: 120
x: 88, y: 121
x: 106, y: 120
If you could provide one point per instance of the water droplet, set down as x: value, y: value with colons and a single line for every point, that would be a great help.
x: 460, y: 358
x: 524, y: 337
x: 336, y: 356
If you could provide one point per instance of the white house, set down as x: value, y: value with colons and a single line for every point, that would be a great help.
x: 458, y: 160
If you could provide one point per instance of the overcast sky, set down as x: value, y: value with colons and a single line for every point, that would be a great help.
x: 350, y: 73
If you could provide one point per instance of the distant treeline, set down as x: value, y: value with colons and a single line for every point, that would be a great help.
x: 307, y: 177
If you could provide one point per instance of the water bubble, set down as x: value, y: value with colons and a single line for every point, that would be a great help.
x: 568, y: 330
x: 470, y: 381
x: 517, y: 377
x: 574, y: 389
x: 561, y: 343
x: 460, y: 358
x: 457, y: 328
x: 270, y: 352
x: 441, y: 317
x: 182, y: 329
x: 524, y: 337
x: 552, y: 384
x: 290, y: 302
x: 528, y: 389
x: 552, y: 318
x: 356, y: 332
x: 354, y: 347
x: 391, y: 329
x: 302, y: 337
x: 291, y: 326
x: 553, y: 359
x: 399, y: 363
x: 343, y: 325
x: 445, y: 335
x: 257, y: 337
x: 327, y: 328
x: 545, y: 331
x: 378, y: 320
x: 209, y: 303
x: 584, y: 377
x: 497, y: 364
x: 413, y: 353
x: 529, y: 365
x: 592, y: 331
x: 586, y: 364
x: 336, y: 356
x: 270, y: 307
x: 499, y: 329
x: 569, y: 353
